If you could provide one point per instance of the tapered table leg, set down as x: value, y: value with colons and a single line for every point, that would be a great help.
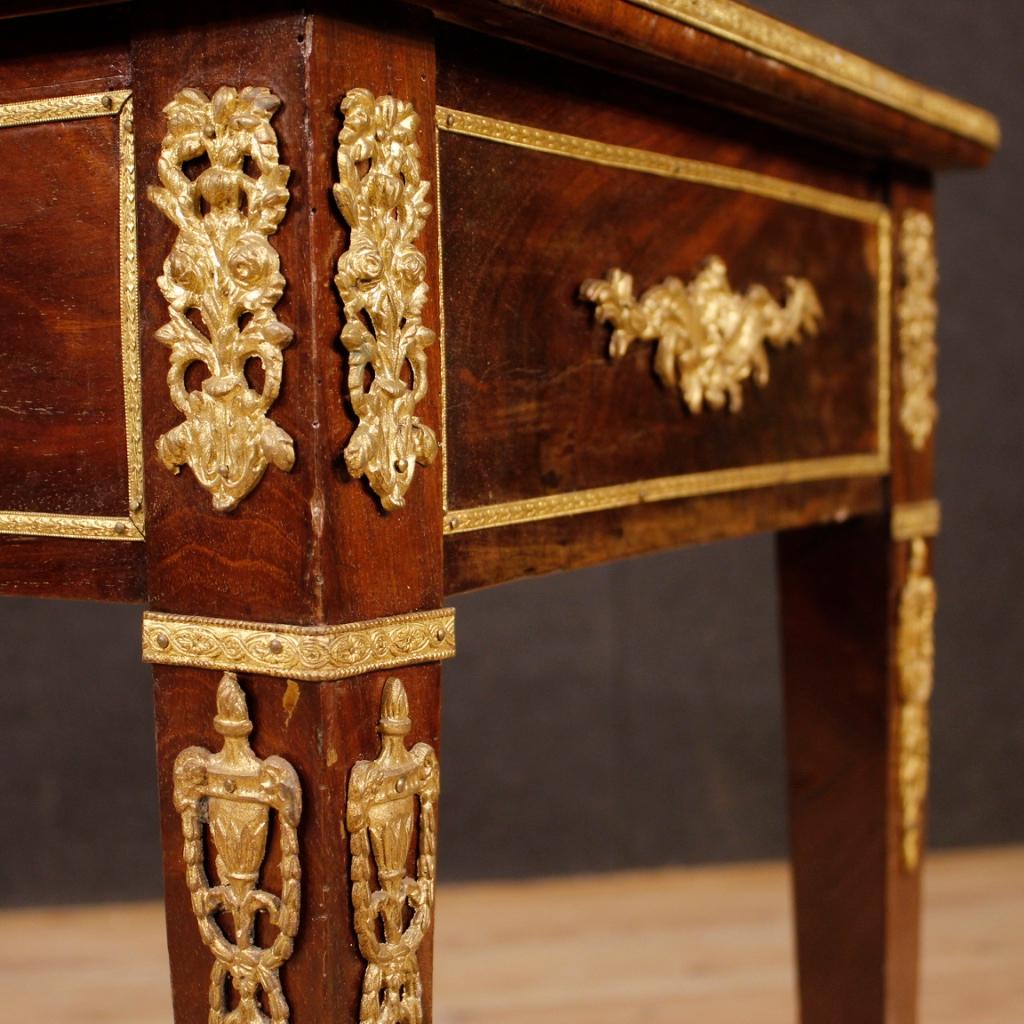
x: 856, y: 620
x: 294, y: 528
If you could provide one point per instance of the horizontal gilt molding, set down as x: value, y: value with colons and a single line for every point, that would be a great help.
x: 304, y: 653
x: 914, y: 519
x: 763, y: 34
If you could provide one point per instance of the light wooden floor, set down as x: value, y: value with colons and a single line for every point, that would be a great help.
x: 709, y: 945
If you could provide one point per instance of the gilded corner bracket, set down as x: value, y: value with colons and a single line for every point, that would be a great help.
x: 302, y: 653
x: 381, y: 279
x: 917, y: 315
x: 390, y: 801
x: 231, y: 795
x: 709, y: 338
x: 131, y: 526
x: 221, y: 281
x: 916, y: 657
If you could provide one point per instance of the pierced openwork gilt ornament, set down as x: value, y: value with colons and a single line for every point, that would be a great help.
x: 916, y: 652
x: 221, y: 281
x: 233, y: 793
x: 385, y: 798
x: 382, y: 282
x: 710, y: 338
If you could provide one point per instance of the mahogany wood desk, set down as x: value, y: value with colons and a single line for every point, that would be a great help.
x: 312, y: 316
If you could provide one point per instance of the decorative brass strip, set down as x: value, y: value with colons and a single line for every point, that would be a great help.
x: 794, y: 48
x: 223, y: 268
x: 305, y: 653
x: 387, y: 799
x: 666, y: 488
x: 717, y: 481
x: 916, y: 656
x: 232, y: 794
x: 684, y: 318
x: 915, y: 519
x: 917, y: 313
x: 646, y: 161
x: 382, y: 282
x: 131, y: 526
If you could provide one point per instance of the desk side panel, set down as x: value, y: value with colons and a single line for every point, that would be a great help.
x: 63, y: 436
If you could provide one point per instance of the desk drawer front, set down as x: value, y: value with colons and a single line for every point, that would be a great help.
x: 544, y: 416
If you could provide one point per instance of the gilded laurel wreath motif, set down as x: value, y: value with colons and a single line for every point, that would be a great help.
x: 382, y: 282
x: 233, y: 792
x: 382, y: 820
x: 918, y: 313
x: 710, y: 338
x: 916, y: 647
x: 221, y: 281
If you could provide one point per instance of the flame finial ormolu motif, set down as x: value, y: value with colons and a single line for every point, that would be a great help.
x: 710, y: 338
x: 916, y: 647
x: 223, y: 268
x: 382, y: 817
x: 382, y: 282
x: 918, y: 313
x: 233, y: 792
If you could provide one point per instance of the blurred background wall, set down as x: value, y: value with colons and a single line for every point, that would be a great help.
x: 641, y: 723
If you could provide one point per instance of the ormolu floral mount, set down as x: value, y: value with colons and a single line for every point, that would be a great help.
x: 223, y: 268
x: 233, y: 793
x: 382, y: 282
x: 710, y: 338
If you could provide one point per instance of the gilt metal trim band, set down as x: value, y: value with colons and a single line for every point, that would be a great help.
x: 391, y: 801
x: 916, y: 519
x: 132, y: 525
x: 717, y: 481
x: 666, y: 488
x: 233, y: 792
x: 710, y: 339
x: 790, y: 46
x: 382, y: 282
x: 223, y: 268
x: 303, y: 653
x: 627, y: 158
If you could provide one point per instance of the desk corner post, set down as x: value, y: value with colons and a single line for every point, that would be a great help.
x: 858, y: 603
x: 295, y: 623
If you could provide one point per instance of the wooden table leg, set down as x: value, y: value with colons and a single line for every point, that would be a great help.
x: 298, y: 808
x: 295, y: 618
x: 856, y: 613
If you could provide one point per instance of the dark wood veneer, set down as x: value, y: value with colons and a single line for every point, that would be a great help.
x: 534, y: 405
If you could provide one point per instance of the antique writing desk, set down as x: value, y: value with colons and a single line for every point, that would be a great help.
x: 312, y: 316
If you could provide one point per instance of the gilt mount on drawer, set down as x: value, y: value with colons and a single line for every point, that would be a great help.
x: 710, y: 339
x: 223, y: 267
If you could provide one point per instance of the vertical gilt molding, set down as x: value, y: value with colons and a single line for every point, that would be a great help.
x: 916, y: 653
x: 387, y: 799
x: 382, y: 282
x: 917, y: 313
x: 221, y: 281
x: 233, y: 792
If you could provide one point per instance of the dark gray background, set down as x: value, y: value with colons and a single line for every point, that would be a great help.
x: 627, y: 715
